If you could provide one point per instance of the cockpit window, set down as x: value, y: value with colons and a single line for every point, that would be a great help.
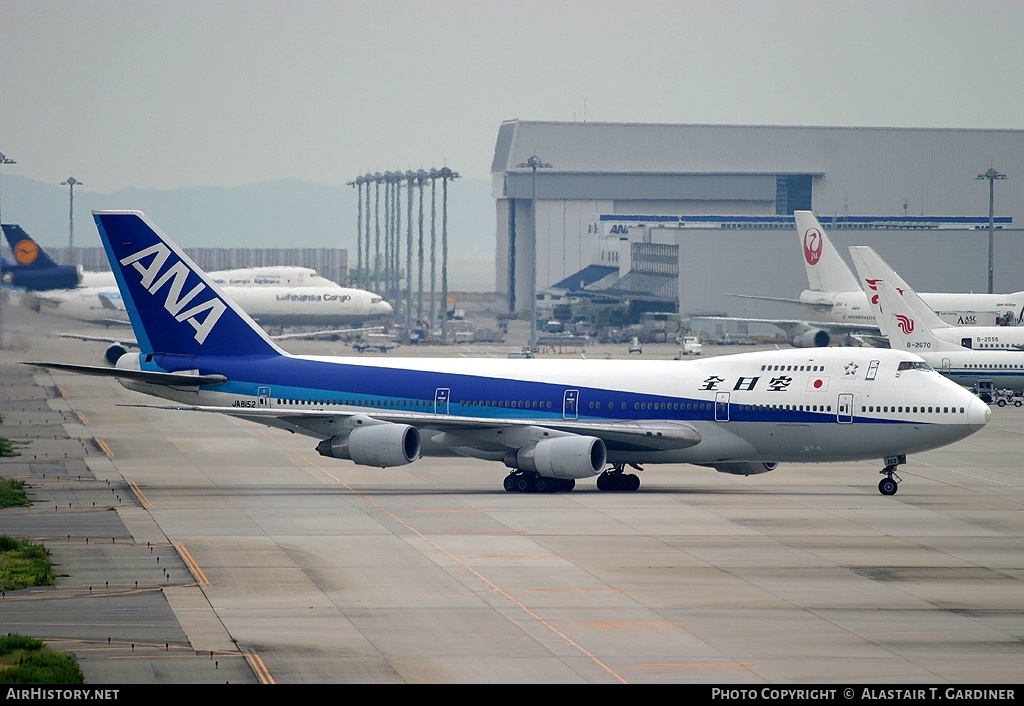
x: 914, y: 365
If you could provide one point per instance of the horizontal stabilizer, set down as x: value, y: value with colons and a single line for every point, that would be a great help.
x: 154, y: 377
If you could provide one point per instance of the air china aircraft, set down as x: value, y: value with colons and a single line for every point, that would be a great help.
x: 871, y: 269
x: 552, y: 422
x: 908, y: 324
x: 834, y: 293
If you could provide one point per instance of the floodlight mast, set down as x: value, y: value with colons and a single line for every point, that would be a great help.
x: 991, y: 175
x: 71, y: 183
x: 534, y: 163
x: 4, y: 159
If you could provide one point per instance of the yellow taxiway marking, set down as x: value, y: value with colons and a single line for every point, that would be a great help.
x: 139, y: 494
x: 193, y: 567
x: 106, y: 449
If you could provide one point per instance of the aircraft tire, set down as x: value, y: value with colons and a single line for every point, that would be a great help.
x: 524, y: 484
x: 543, y: 485
x: 887, y: 486
x: 510, y: 483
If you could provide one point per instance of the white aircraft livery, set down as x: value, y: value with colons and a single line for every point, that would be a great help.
x: 550, y: 422
x: 834, y: 293
x: 872, y: 269
x: 908, y: 323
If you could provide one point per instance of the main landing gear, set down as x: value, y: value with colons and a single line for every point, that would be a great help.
x: 615, y: 479
x: 888, y: 485
x: 530, y: 482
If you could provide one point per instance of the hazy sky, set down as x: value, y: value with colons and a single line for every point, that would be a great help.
x: 172, y: 93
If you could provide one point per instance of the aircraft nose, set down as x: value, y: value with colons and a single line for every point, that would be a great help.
x: 978, y: 414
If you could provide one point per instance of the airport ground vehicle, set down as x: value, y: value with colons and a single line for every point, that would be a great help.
x: 1006, y: 397
x: 691, y: 346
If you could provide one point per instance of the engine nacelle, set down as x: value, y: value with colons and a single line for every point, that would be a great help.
x: 113, y: 353
x: 129, y: 361
x: 562, y: 457
x: 746, y: 468
x: 380, y: 445
x: 815, y: 338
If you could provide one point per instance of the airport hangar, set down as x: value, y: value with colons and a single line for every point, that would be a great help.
x: 688, y: 215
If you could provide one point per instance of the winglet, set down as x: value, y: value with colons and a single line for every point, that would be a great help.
x: 173, y: 305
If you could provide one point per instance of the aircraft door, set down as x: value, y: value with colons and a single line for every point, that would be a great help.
x: 263, y: 397
x: 844, y: 408
x: 945, y: 364
x: 441, y: 396
x: 722, y: 407
x: 570, y: 402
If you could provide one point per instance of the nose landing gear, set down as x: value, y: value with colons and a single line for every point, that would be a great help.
x: 889, y: 484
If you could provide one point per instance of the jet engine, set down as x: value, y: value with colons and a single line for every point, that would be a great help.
x: 113, y: 353
x: 746, y: 468
x: 562, y: 457
x: 380, y: 445
x: 815, y: 338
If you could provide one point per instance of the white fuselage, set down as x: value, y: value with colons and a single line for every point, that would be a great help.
x: 268, y: 305
x: 955, y: 308
x: 790, y: 405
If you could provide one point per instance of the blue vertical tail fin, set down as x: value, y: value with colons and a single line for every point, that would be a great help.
x: 32, y: 268
x: 173, y: 305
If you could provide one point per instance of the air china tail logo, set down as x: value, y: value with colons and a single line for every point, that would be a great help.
x: 873, y: 286
x: 202, y: 316
x: 813, y: 245
x: 905, y: 323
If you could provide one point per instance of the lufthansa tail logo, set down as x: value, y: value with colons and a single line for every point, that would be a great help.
x: 202, y: 316
x: 25, y: 252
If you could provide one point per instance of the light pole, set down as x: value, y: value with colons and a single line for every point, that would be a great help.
x: 533, y: 163
x: 446, y: 176
x: 71, y: 183
x: 4, y: 159
x: 991, y: 175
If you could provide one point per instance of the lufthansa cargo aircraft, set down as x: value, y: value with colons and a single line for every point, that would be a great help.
x: 549, y: 422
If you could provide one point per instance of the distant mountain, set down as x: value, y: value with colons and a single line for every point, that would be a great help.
x: 284, y: 213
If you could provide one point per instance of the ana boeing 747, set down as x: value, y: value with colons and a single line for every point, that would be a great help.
x: 549, y: 423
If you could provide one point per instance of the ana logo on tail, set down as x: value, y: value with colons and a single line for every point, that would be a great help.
x: 905, y: 323
x: 175, y: 275
x: 814, y: 244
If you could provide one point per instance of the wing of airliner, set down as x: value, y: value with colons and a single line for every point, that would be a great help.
x: 116, y: 347
x: 548, y: 422
x: 823, y: 307
x: 815, y: 334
